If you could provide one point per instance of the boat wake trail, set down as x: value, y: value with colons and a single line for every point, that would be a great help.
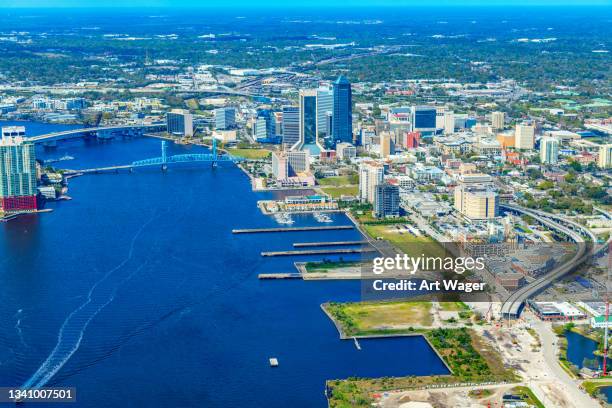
x: 73, y: 329
x: 18, y: 328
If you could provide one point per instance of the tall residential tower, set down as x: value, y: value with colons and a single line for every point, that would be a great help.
x: 17, y: 175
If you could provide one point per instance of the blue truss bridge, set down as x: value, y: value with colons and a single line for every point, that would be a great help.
x: 163, y: 161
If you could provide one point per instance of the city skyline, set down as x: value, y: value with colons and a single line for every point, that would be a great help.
x: 309, y: 204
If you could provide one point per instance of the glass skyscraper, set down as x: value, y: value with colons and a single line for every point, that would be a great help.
x: 225, y: 118
x: 265, y: 127
x: 325, y: 108
x: 423, y: 119
x: 308, y: 117
x: 291, y: 126
x: 342, y: 118
x: 17, y: 175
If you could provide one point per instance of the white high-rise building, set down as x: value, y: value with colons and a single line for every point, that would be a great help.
x: 476, y: 202
x: 385, y: 144
x: 524, y: 136
x: 440, y: 111
x: 604, y: 160
x: 449, y: 122
x: 325, y: 108
x: 497, y: 120
x: 370, y: 175
x: 549, y: 150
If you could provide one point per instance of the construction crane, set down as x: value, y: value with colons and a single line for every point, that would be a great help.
x: 607, y: 317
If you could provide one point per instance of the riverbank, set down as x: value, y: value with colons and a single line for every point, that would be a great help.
x: 469, y: 362
x: 464, y: 352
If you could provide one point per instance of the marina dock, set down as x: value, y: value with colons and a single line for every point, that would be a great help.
x: 318, y: 252
x: 293, y: 275
x: 320, y: 244
x: 291, y: 229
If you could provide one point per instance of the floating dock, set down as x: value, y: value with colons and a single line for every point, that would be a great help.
x: 293, y: 275
x: 291, y: 229
x: 318, y: 252
x: 320, y: 244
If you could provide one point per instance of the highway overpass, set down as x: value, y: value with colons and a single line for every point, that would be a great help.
x: 584, y: 239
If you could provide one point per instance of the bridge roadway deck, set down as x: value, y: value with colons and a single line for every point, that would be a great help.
x: 512, y: 306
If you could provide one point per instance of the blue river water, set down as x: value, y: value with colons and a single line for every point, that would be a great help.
x: 580, y: 347
x: 137, y: 293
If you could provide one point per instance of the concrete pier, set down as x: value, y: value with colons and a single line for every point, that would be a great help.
x: 293, y: 275
x: 334, y: 243
x: 318, y: 252
x: 291, y: 229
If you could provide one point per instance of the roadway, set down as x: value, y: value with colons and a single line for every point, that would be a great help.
x: 75, y: 133
x: 511, y: 307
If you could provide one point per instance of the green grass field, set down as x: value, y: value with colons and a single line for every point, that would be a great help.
x: 453, y: 306
x: 406, y: 242
x: 337, y: 192
x: 372, y: 317
x: 338, y: 181
x: 250, y: 153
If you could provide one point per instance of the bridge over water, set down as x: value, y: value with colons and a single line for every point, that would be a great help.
x: 105, y: 132
x: 165, y: 160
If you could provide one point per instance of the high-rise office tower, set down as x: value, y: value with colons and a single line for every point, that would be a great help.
x: 476, y: 202
x: 225, y: 118
x: 549, y: 150
x: 411, y: 140
x: 497, y: 120
x: 325, y: 107
x: 179, y: 122
x: 342, y: 118
x: 17, y: 175
x: 440, y: 111
x: 386, y: 143
x: 524, y: 136
x: 449, y: 122
x: 604, y: 160
x: 423, y: 119
x: 288, y: 164
x: 308, y: 118
x: 265, y: 124
x: 291, y: 126
x: 278, y: 122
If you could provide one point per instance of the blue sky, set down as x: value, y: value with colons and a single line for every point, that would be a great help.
x: 285, y: 3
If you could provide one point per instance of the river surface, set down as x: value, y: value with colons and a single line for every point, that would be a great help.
x: 137, y: 293
x: 580, y: 347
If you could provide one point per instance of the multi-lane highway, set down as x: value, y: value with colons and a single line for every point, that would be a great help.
x: 512, y: 306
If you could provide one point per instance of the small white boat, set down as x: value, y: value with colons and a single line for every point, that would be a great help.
x: 320, y: 217
x: 283, y: 218
x: 273, y: 362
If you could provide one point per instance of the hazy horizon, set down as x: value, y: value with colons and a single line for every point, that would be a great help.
x: 84, y: 4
